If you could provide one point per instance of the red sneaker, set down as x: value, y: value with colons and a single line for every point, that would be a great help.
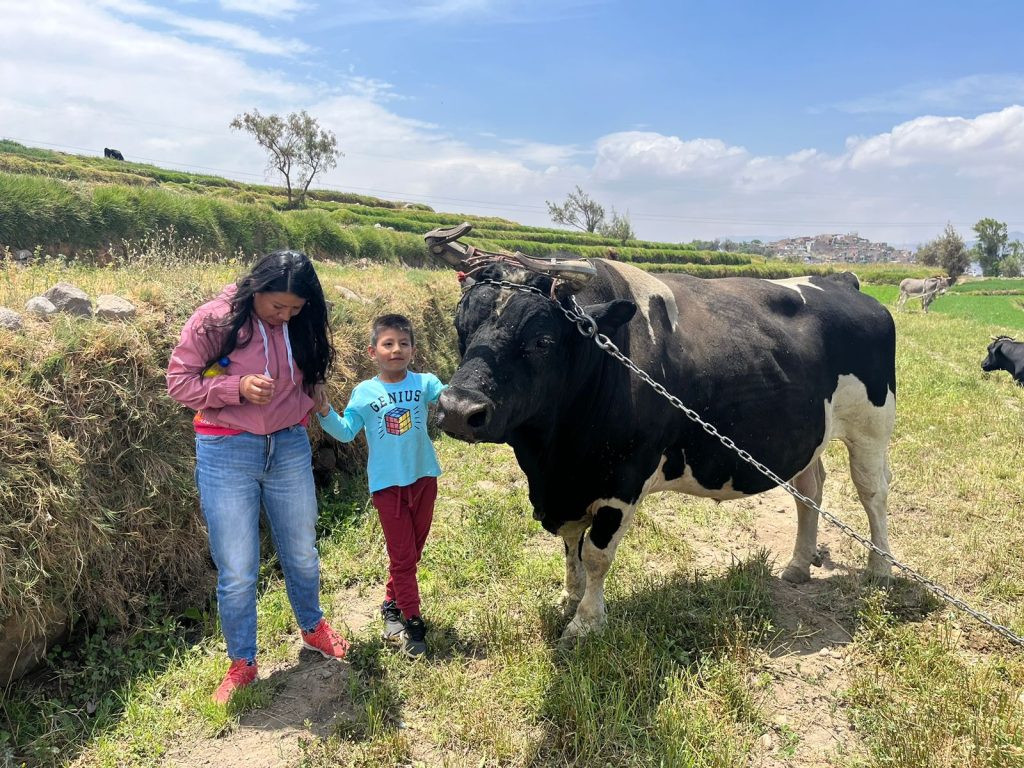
x: 240, y: 674
x: 325, y: 641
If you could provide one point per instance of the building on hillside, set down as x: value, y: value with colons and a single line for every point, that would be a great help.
x: 848, y: 248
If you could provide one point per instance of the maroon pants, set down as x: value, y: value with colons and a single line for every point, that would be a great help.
x: 406, y: 513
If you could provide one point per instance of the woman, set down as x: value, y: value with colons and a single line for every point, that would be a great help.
x: 250, y: 364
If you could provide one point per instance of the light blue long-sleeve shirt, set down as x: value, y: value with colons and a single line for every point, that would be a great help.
x: 395, y: 419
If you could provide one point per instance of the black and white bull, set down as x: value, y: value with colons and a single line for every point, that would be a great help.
x: 926, y: 289
x: 781, y: 367
x: 113, y: 154
x: 1005, y: 354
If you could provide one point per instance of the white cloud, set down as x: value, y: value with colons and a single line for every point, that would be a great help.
x: 273, y: 9
x: 354, y: 12
x: 149, y: 94
x: 646, y: 153
x: 371, y: 89
x: 987, y: 143
x: 239, y: 37
x: 967, y: 94
x: 548, y: 156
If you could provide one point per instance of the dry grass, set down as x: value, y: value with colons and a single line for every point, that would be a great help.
x: 97, y: 502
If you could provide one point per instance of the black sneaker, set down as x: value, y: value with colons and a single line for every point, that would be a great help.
x: 414, y: 643
x: 393, y: 624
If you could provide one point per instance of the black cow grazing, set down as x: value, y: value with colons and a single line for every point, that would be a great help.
x: 782, y: 367
x: 113, y: 154
x: 1005, y: 354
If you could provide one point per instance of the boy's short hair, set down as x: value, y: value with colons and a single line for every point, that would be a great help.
x: 394, y: 323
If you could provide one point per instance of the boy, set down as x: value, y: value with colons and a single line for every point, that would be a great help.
x: 402, y: 467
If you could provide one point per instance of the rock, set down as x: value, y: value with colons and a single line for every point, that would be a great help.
x: 23, y: 643
x: 10, y: 319
x: 350, y: 295
x: 111, y: 307
x: 40, y: 305
x: 23, y: 256
x: 325, y: 458
x: 71, y: 299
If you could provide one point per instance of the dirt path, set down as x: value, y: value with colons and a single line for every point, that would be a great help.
x: 310, y: 694
x: 807, y: 661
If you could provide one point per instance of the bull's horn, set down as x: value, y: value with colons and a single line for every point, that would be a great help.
x: 442, y: 242
x: 576, y: 271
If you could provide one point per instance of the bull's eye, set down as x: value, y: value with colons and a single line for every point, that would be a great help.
x: 539, y: 345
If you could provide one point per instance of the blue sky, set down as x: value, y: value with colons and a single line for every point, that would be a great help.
x: 699, y: 119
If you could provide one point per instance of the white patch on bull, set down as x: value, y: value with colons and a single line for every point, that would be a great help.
x: 854, y: 417
x: 505, y: 295
x: 590, y: 613
x: 687, y: 483
x: 796, y: 284
x: 643, y: 287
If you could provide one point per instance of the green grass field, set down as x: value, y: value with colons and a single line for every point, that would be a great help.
x: 1001, y: 313
x: 708, y: 659
x: 96, y: 211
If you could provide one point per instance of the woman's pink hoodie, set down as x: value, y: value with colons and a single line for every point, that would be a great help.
x: 217, y: 396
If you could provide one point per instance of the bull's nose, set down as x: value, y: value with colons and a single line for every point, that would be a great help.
x: 463, y: 414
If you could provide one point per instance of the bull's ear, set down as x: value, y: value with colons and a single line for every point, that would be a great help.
x: 612, y: 315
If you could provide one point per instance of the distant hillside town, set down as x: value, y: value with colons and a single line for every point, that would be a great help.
x: 849, y: 248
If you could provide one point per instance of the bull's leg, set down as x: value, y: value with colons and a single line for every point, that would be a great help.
x: 610, y: 524
x: 869, y: 470
x: 810, y: 483
x: 575, y: 576
x: 870, y: 473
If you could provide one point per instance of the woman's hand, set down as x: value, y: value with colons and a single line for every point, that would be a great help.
x: 256, y: 388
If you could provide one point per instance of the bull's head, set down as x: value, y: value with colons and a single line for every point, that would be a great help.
x: 521, y: 357
x: 995, y: 361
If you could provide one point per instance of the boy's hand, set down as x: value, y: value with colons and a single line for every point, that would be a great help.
x: 320, y: 401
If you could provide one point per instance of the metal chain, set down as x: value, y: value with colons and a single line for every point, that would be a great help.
x: 587, y: 326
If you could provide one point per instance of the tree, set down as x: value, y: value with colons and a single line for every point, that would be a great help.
x: 1012, y: 264
x: 992, y: 238
x: 947, y: 251
x: 297, y: 148
x: 928, y: 254
x: 619, y: 227
x: 579, y: 210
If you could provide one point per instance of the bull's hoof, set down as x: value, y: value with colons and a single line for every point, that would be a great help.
x: 794, y: 574
x: 568, y: 604
x: 879, y: 571
x: 578, y: 628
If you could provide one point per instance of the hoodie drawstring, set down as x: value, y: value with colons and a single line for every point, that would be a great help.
x: 288, y: 347
x: 266, y: 350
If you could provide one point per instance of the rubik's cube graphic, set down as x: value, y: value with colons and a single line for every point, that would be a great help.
x: 398, y: 421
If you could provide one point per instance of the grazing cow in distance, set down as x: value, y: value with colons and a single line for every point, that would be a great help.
x: 1005, y: 354
x: 926, y: 290
x: 113, y: 154
x: 780, y: 367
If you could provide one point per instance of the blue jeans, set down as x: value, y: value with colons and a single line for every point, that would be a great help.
x: 236, y: 474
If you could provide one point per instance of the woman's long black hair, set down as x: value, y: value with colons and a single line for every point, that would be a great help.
x: 309, y: 331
